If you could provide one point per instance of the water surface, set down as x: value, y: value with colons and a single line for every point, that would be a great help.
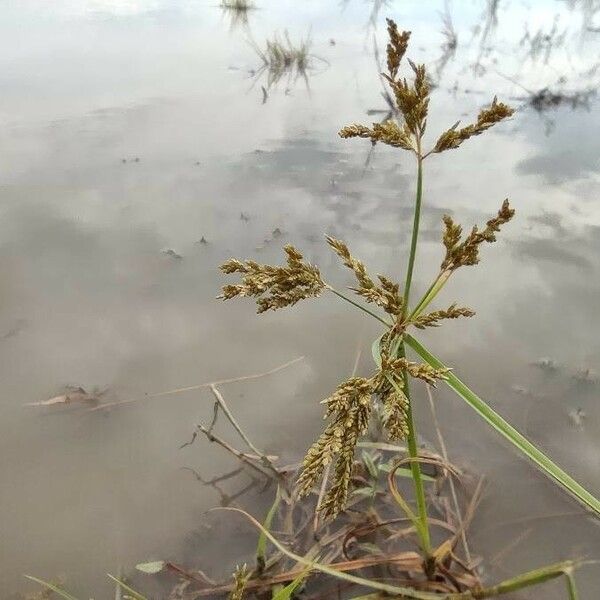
x: 130, y: 128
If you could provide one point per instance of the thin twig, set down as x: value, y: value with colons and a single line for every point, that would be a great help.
x: 199, y: 386
x: 264, y: 459
x: 245, y: 458
x: 444, y: 451
x: 214, y: 480
x: 226, y: 499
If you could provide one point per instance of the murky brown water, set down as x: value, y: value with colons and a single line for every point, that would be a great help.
x: 128, y: 128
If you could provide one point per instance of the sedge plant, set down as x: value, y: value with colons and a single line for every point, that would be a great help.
x: 386, y: 390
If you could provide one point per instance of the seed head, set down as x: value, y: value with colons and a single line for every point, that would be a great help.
x: 466, y: 253
x: 412, y: 100
x: 394, y: 368
x: 274, y: 287
x: 387, y: 295
x: 396, y: 48
x: 388, y: 132
x: 433, y: 319
x: 395, y: 411
x: 487, y: 118
x: 350, y: 409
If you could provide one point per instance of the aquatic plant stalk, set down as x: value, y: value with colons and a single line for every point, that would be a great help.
x: 415, y: 233
x: 412, y: 434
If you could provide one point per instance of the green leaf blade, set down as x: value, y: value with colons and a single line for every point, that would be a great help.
x: 546, y: 465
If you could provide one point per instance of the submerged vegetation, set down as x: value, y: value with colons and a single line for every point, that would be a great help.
x: 237, y: 11
x: 284, y: 59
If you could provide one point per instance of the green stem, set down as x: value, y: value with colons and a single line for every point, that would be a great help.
x: 415, y: 233
x: 369, y: 312
x: 412, y: 434
x: 430, y: 294
x: 415, y: 468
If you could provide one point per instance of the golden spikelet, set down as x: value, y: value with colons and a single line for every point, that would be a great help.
x: 396, y: 48
x: 350, y: 406
x: 394, y: 368
x: 240, y: 579
x: 387, y: 295
x: 466, y: 253
x: 274, y: 287
x: 412, y: 102
x: 433, y: 319
x: 395, y: 412
x: 388, y: 132
x: 487, y: 118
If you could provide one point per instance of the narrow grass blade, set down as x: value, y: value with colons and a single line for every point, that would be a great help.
x: 508, y: 431
x: 402, y: 472
x: 571, y: 587
x: 287, y: 592
x: 50, y: 586
x: 261, y: 547
x: 529, y: 579
x: 135, y: 595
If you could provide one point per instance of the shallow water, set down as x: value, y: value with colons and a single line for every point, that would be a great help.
x: 128, y: 128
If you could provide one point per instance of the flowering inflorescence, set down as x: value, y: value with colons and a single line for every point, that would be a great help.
x: 433, y: 319
x: 349, y: 408
x: 274, y: 287
x: 466, y: 253
x: 386, y: 294
x: 412, y: 102
x: 488, y: 117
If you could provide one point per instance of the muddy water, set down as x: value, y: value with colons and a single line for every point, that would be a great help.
x: 131, y: 128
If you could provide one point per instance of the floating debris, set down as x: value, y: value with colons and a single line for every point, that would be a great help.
x: 170, y: 252
x: 72, y: 395
x: 587, y: 376
x: 275, y: 234
x: 577, y: 416
x: 14, y: 330
x: 522, y: 391
x: 545, y: 363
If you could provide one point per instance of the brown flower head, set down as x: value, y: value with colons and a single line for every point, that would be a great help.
x: 274, y: 287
